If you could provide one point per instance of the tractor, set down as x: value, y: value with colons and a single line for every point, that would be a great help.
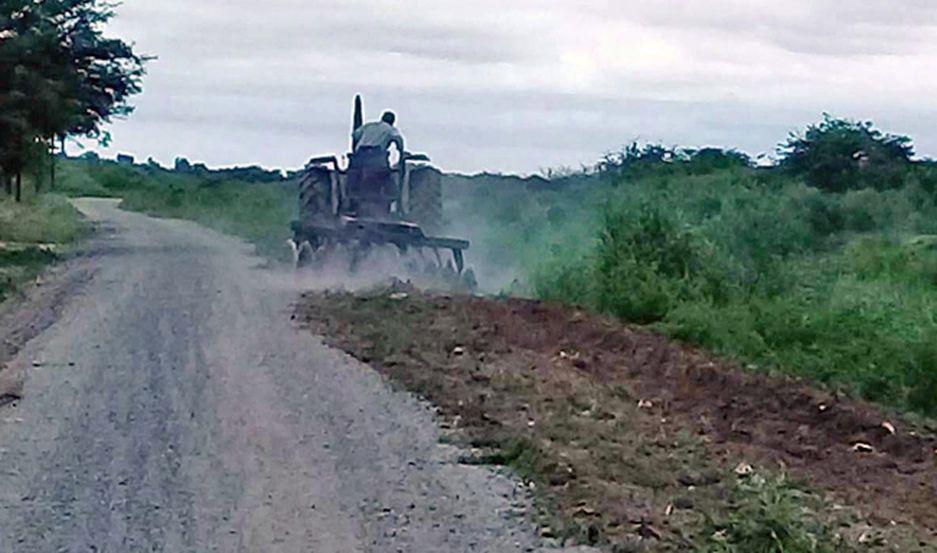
x: 345, y: 205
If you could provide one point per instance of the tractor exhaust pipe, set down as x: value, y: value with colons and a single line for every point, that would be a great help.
x: 357, y: 118
x: 359, y: 114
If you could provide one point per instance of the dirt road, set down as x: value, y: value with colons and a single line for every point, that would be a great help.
x: 174, y: 407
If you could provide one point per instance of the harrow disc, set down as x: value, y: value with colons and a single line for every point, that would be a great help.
x: 427, y: 267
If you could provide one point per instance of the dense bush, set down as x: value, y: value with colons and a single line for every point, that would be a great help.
x: 645, y: 265
x: 836, y: 155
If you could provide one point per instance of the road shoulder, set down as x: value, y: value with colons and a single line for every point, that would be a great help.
x: 34, y: 308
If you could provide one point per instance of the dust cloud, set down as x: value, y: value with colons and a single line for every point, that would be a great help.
x: 343, y: 271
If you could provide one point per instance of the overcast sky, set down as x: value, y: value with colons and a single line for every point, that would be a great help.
x: 520, y: 85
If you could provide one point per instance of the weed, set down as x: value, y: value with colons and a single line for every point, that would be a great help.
x: 771, y: 515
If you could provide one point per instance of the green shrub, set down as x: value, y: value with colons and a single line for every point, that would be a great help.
x: 74, y: 181
x: 636, y: 292
x: 652, y: 240
x: 823, y: 214
x: 868, y: 210
x: 770, y: 515
x: 645, y: 264
x: 914, y: 261
x: 925, y: 176
x: 37, y: 220
x: 570, y: 282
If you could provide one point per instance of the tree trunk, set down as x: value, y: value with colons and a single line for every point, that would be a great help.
x: 19, y: 186
x: 8, y: 184
x: 52, y: 165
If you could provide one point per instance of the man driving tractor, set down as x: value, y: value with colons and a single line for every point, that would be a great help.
x: 377, y: 136
x: 374, y: 201
x: 369, y: 166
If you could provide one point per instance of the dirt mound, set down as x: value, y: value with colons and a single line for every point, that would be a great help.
x: 637, y: 437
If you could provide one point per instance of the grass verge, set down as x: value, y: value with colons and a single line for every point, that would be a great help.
x: 33, y: 234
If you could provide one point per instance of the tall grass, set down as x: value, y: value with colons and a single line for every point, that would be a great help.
x: 40, y: 219
x: 24, y: 227
x: 837, y: 288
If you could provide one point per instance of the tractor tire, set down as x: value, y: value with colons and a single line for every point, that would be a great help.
x: 315, y: 196
x: 426, y: 199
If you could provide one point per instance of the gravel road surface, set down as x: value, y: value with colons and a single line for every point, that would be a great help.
x: 174, y: 407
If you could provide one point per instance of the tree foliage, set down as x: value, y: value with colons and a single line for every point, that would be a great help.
x: 837, y: 155
x: 637, y: 160
x: 59, y: 75
x: 708, y: 160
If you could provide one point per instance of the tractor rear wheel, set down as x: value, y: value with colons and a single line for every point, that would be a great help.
x: 315, y: 195
x: 426, y: 198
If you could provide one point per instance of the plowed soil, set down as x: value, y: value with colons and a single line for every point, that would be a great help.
x: 638, y: 440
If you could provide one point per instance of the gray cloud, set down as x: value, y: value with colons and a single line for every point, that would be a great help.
x: 288, y: 29
x: 825, y: 27
x: 483, y: 84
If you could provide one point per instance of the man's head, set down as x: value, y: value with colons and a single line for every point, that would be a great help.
x: 389, y: 117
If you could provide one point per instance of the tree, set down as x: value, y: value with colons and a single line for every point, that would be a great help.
x: 634, y: 159
x: 182, y: 165
x: 32, y: 84
x: 707, y: 160
x: 837, y: 155
x: 108, y: 69
x: 59, y: 76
